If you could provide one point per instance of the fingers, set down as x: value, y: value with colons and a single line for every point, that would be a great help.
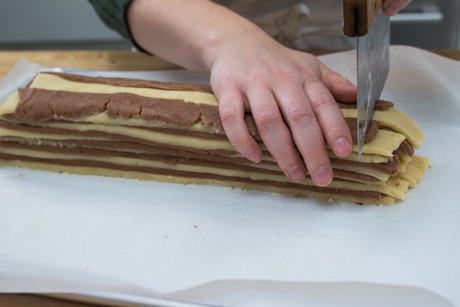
x: 307, y: 134
x: 392, y: 7
x: 275, y: 134
x: 342, y: 89
x: 231, y: 111
x: 329, y: 117
x: 292, y: 104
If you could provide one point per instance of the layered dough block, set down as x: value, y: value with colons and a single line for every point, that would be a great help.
x: 172, y: 132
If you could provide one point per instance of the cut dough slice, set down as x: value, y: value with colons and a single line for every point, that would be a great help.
x: 415, y: 170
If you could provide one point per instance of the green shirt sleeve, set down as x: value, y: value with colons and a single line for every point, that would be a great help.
x: 113, y: 14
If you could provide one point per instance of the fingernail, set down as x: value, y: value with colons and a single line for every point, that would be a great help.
x: 342, y: 147
x: 323, y: 176
x: 391, y: 9
x: 346, y: 80
x: 254, y: 156
x: 297, y: 173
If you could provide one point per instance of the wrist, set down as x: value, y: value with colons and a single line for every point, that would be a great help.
x: 234, y: 35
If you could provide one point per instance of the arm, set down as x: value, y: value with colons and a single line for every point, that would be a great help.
x: 291, y: 94
x: 251, y: 72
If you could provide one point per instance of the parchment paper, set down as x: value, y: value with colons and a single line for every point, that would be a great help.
x: 70, y: 233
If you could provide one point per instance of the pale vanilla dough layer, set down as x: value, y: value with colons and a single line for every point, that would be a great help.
x: 379, y: 146
x: 365, y: 158
x: 32, y: 135
x: 404, y: 160
x: 70, y: 145
x: 154, y: 136
x: 8, y: 134
x: 392, y: 118
x: 9, y: 106
x: 394, y: 187
x: 55, y: 83
x: 384, y: 143
x: 385, y: 201
x: 362, y: 170
x: 158, y: 137
x: 415, y: 170
x: 398, y: 121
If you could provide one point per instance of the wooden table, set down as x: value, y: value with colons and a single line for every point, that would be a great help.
x: 99, y: 60
x: 115, y: 60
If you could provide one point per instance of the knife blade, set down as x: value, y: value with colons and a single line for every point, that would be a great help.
x: 365, y: 20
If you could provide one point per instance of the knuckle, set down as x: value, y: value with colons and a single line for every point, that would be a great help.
x: 283, y: 155
x: 310, y: 77
x: 282, y: 75
x: 227, y: 114
x: 336, y: 127
x: 239, y: 142
x: 322, y: 101
x: 266, y: 118
x: 224, y: 85
x: 301, y: 113
x: 311, y: 155
x: 257, y: 78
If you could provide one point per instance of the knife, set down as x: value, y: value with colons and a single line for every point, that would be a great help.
x: 365, y: 20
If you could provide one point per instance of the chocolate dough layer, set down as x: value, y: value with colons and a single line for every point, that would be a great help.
x: 167, y: 156
x: 351, y: 122
x: 44, y: 105
x: 380, y: 105
x: 113, y: 136
x: 176, y: 86
x: 371, y: 133
x: 387, y: 168
x: 391, y: 167
x: 405, y: 145
x: 160, y: 171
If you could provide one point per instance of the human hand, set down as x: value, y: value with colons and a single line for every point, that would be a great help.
x: 292, y: 97
x: 392, y: 7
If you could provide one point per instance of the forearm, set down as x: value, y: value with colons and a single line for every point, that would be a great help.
x: 187, y: 32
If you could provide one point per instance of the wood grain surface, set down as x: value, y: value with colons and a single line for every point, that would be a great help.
x: 116, y: 60
x: 100, y: 60
x: 32, y: 300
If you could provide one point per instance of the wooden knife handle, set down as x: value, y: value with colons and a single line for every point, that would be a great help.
x: 359, y: 16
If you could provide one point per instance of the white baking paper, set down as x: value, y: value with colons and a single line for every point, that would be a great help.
x: 70, y: 233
